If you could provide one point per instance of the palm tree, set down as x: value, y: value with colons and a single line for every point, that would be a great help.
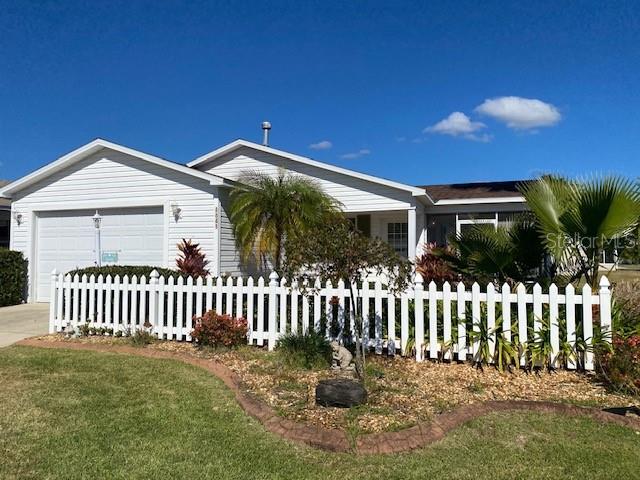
x: 504, y: 254
x: 577, y: 220
x: 265, y: 209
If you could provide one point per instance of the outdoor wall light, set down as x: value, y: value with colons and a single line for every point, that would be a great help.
x: 17, y: 216
x: 176, y: 211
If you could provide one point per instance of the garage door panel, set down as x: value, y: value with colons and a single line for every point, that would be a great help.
x: 66, y: 240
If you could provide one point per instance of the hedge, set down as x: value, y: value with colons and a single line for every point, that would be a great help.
x: 13, y: 277
x: 123, y: 270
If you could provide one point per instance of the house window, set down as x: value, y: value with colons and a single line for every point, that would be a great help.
x: 467, y: 221
x: 506, y: 219
x: 362, y: 223
x: 398, y: 237
x: 439, y: 228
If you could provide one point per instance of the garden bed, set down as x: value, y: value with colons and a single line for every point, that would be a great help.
x: 401, y: 391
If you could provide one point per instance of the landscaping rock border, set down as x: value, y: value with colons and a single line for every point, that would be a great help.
x: 334, y: 440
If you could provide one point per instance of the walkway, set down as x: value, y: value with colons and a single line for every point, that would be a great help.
x: 22, y: 321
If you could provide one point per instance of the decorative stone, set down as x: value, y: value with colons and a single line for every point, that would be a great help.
x: 340, y: 392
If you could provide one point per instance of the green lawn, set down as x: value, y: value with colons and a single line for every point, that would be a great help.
x: 92, y: 415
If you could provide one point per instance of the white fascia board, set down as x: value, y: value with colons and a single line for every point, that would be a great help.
x: 474, y: 201
x: 415, y: 191
x: 93, y: 147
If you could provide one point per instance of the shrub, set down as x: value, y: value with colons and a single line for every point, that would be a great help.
x: 215, y: 330
x: 123, y: 270
x: 433, y: 267
x: 13, y: 277
x: 143, y: 336
x: 626, y: 311
x: 191, y: 260
x: 309, y: 350
x: 621, y: 364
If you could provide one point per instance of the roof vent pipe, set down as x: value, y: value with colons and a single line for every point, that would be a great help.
x: 266, y: 126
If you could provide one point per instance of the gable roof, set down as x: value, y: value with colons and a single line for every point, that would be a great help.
x: 215, y: 154
x: 506, y: 191
x: 93, y: 147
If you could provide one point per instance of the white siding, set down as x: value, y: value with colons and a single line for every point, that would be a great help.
x: 109, y: 178
x: 356, y: 195
x: 229, y: 256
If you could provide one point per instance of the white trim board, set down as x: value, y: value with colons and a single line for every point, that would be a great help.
x: 215, y: 154
x: 474, y: 201
x: 93, y: 147
x: 96, y: 204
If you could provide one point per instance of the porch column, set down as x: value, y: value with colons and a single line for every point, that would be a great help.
x: 411, y: 230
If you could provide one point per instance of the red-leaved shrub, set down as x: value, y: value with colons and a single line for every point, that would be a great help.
x: 191, y: 260
x: 432, y: 267
x: 621, y: 365
x: 216, y: 330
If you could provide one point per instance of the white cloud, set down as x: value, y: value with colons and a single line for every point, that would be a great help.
x: 322, y: 145
x: 520, y: 113
x: 482, y: 138
x: 459, y: 125
x: 360, y: 153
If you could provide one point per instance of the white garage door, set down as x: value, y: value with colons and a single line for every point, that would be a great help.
x: 66, y: 240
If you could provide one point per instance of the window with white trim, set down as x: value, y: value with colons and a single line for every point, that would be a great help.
x: 398, y: 237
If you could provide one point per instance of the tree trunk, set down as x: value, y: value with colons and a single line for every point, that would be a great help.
x: 595, y: 267
x: 278, y: 257
x: 358, y: 326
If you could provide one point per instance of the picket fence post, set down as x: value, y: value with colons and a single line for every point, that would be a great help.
x: 605, y: 308
x: 587, y: 325
x: 52, y: 301
x: 418, y: 290
x: 153, y: 301
x: 273, y: 325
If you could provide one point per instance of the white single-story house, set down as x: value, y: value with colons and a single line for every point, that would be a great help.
x: 109, y: 203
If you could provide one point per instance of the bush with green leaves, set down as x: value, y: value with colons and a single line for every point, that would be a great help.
x: 308, y: 350
x: 626, y: 308
x: 122, y: 270
x: 143, y: 336
x: 13, y: 277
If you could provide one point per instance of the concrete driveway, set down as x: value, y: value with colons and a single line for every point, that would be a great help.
x: 22, y: 321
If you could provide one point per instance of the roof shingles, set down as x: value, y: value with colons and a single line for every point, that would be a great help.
x: 474, y: 190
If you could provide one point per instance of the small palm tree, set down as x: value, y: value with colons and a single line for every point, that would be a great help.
x: 577, y: 220
x: 265, y: 209
x: 504, y: 254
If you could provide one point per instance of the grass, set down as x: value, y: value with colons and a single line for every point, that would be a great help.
x: 71, y: 414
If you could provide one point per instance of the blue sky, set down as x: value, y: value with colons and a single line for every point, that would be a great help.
x: 378, y: 81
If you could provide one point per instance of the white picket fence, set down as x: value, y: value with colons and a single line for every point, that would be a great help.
x: 392, y: 321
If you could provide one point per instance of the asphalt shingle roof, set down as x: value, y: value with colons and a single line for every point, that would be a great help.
x: 474, y: 190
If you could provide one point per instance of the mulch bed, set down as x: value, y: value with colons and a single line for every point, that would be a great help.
x: 402, y: 392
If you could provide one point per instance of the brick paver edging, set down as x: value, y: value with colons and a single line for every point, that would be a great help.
x: 337, y: 440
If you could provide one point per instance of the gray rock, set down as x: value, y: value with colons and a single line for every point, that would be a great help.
x: 340, y: 392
